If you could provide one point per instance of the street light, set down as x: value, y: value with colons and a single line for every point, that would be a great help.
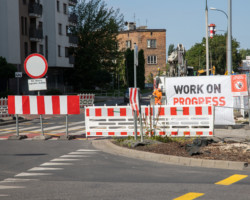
x: 215, y: 9
x: 219, y: 11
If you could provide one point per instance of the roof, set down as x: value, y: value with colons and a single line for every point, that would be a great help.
x: 144, y: 30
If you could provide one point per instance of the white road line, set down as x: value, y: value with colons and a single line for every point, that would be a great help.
x: 77, y: 153
x: 63, y: 159
x: 13, y: 180
x: 25, y: 129
x: 3, y: 138
x: 43, y: 169
x: 32, y: 174
x: 73, y: 156
x: 90, y: 150
x: 4, y: 187
x: 54, y: 164
x: 4, y: 195
x: 75, y: 123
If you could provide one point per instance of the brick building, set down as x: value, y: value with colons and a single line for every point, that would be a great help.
x: 152, y: 41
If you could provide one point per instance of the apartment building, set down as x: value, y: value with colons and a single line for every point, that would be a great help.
x: 152, y: 41
x: 38, y: 26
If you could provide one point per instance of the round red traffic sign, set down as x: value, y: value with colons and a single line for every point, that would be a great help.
x: 35, y: 66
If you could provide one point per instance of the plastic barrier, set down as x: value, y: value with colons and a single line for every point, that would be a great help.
x: 44, y: 105
x: 161, y: 120
x: 86, y: 99
x: 4, y: 108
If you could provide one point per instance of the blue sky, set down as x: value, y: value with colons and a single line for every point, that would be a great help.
x: 184, y: 20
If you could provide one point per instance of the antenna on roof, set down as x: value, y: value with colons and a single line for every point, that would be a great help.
x: 134, y: 17
x: 146, y: 22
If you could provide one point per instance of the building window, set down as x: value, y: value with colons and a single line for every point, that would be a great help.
x: 46, y: 47
x: 59, y: 51
x: 22, y: 25
x: 58, y: 6
x: 151, y: 43
x: 24, y: 2
x: 152, y: 59
x: 25, y: 26
x: 128, y: 43
x: 66, y: 52
x: 41, y: 49
x: 60, y: 29
x: 26, y: 49
x: 65, y: 8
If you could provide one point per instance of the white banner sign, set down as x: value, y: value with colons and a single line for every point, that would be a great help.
x: 214, y: 90
x: 37, y: 84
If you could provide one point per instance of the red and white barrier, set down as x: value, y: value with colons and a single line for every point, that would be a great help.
x: 86, y: 99
x: 4, y: 108
x: 166, y: 120
x: 44, y: 105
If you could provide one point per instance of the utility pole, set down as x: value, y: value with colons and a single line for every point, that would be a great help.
x: 207, y: 47
x: 229, y: 38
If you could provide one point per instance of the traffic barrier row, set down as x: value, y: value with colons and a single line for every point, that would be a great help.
x: 43, y: 105
x: 86, y: 99
x: 161, y: 120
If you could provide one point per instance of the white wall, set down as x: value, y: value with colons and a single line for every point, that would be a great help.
x: 51, y: 19
x: 10, y: 31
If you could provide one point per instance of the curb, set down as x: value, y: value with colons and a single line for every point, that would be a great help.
x: 109, y: 147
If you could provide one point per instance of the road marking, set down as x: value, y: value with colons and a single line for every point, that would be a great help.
x: 63, y: 159
x: 43, y: 169
x: 232, y: 179
x: 53, y: 164
x: 32, y: 174
x: 189, y: 196
x: 87, y: 150
x: 3, y: 187
x: 13, y: 180
x: 80, y: 153
x: 4, y: 195
x: 73, y: 156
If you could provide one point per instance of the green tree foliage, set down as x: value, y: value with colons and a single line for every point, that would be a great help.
x: 97, y: 49
x: 196, y: 56
x: 7, y: 71
x: 140, y: 70
x: 244, y: 53
x: 170, y: 49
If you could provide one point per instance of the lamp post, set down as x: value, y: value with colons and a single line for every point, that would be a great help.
x: 215, y: 9
x: 207, y: 48
x: 229, y: 35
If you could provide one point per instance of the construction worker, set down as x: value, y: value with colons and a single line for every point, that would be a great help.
x: 158, y: 96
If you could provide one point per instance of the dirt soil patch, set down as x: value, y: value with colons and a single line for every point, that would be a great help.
x: 213, y: 151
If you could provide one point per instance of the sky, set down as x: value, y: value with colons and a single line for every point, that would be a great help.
x: 184, y: 20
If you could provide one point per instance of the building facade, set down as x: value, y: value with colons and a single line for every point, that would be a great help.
x: 153, y: 43
x: 38, y: 26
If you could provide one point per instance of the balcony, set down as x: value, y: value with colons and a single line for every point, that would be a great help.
x: 72, y: 2
x: 35, y: 34
x: 72, y: 59
x: 73, y: 40
x: 73, y: 18
x: 35, y: 10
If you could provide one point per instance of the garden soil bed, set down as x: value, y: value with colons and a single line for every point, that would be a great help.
x: 214, y: 151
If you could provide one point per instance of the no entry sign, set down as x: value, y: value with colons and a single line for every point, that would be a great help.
x: 35, y: 66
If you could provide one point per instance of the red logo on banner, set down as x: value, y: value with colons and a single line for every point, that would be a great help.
x: 239, y: 84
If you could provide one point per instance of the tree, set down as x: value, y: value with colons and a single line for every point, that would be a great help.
x: 196, y: 56
x: 97, y: 50
x: 244, y: 53
x: 170, y: 49
x: 7, y: 71
x: 140, y: 70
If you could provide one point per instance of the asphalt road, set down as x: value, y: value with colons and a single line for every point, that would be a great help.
x: 29, y: 171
